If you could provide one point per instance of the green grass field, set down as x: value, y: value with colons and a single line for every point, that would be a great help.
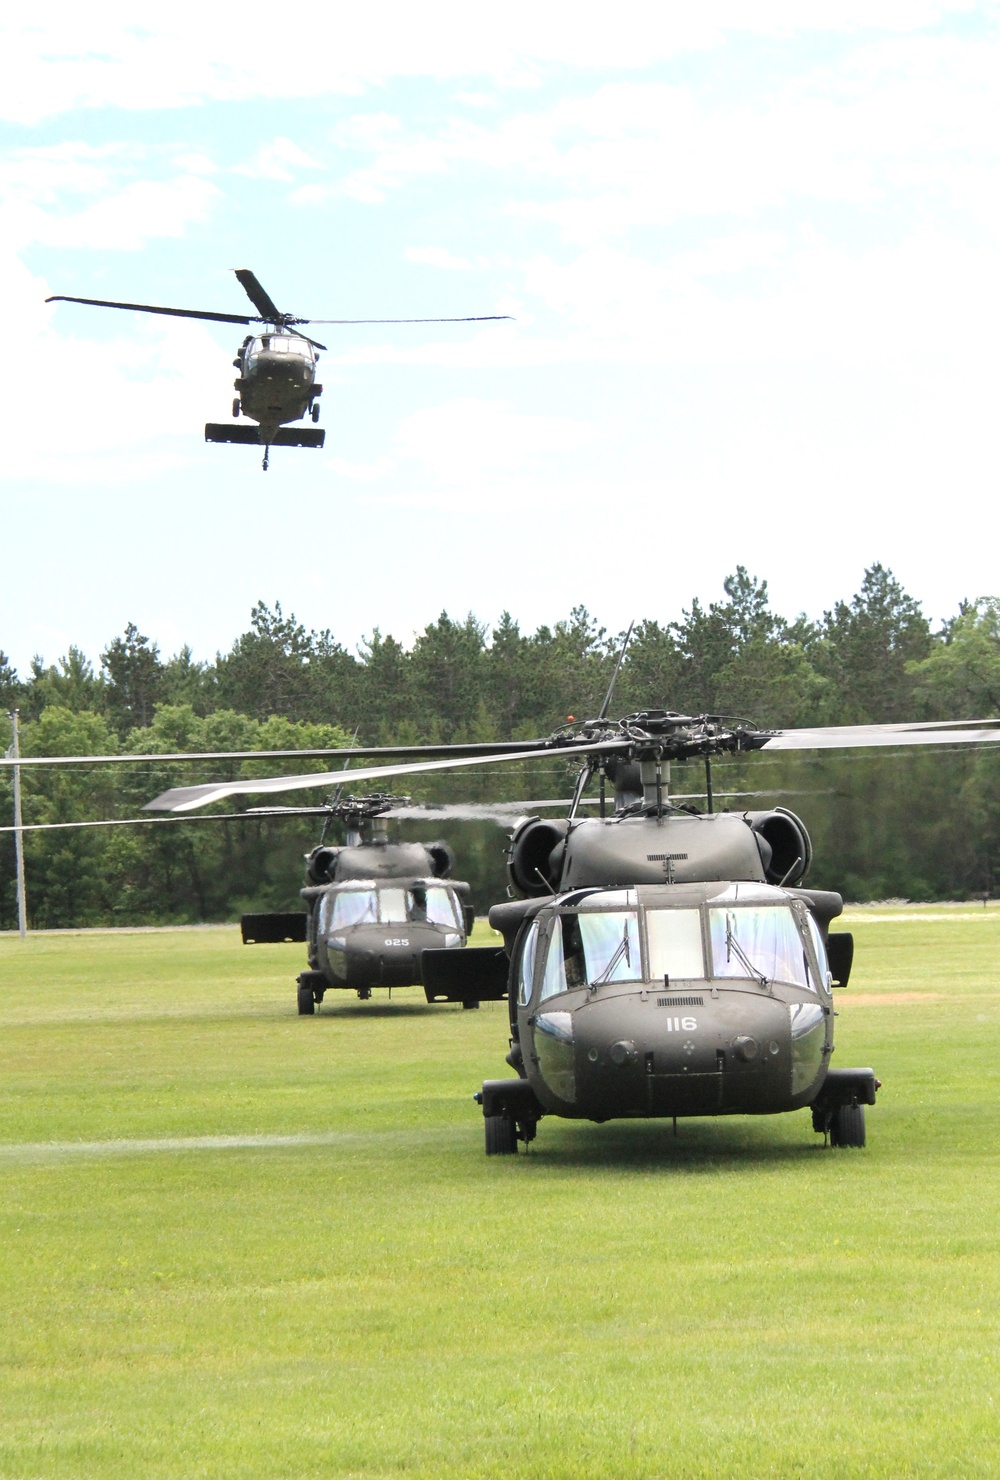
x: 240, y: 1243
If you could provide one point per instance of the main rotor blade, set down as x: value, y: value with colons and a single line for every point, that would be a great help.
x: 862, y: 737
x: 248, y: 816
x: 480, y: 318
x: 174, y: 313
x: 188, y: 798
x: 501, y: 812
x: 484, y: 749
x: 257, y: 296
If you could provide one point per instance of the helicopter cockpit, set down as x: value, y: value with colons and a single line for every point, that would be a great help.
x: 608, y: 936
x: 278, y: 344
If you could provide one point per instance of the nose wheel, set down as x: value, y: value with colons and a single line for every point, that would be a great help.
x: 501, y: 1135
x: 315, y: 411
x: 236, y: 406
x: 847, y: 1128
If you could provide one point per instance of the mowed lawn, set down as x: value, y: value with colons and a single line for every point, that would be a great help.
x: 234, y: 1242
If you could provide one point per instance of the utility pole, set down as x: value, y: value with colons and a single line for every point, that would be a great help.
x: 22, y: 912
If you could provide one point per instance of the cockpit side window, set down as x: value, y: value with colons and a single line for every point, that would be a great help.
x: 526, y: 965
x: 819, y: 946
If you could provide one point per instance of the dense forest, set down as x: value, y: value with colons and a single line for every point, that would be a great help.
x: 918, y: 825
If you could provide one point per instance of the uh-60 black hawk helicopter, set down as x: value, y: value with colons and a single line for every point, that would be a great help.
x: 277, y: 366
x: 659, y: 961
x: 373, y: 905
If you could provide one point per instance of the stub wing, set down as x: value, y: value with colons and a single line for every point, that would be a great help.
x: 251, y: 435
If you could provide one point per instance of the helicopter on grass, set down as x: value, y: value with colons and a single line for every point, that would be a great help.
x: 372, y: 905
x: 661, y: 960
x: 277, y: 366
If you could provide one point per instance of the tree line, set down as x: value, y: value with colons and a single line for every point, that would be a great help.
x: 911, y: 825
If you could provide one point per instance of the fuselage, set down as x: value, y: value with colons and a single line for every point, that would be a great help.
x: 277, y: 378
x: 673, y: 1000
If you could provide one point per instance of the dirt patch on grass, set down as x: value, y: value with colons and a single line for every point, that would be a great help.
x: 893, y: 999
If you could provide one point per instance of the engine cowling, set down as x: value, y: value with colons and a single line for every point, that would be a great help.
x: 784, y: 844
x: 534, y: 859
x: 321, y: 865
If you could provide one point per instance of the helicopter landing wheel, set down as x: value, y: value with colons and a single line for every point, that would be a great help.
x: 307, y: 1002
x: 847, y: 1127
x: 501, y: 1136
x: 236, y: 407
x: 470, y: 1004
x: 315, y: 411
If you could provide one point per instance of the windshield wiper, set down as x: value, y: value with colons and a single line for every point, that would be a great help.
x: 621, y: 950
x: 733, y: 948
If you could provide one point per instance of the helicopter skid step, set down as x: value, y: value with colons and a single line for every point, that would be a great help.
x: 251, y: 436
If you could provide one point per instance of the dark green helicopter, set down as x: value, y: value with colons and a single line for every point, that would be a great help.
x: 277, y: 366
x: 373, y: 906
x: 660, y: 961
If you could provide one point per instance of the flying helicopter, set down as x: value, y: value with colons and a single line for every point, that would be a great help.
x: 277, y: 366
x: 660, y: 960
x: 372, y: 905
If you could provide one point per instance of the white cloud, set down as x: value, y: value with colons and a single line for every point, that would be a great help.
x: 107, y: 410
x: 278, y: 160
x: 76, y: 195
x: 437, y: 257
x: 184, y: 54
x: 458, y: 442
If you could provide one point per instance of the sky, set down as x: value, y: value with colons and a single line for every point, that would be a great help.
x: 750, y: 251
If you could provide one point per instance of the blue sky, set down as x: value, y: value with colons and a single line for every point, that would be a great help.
x: 751, y: 251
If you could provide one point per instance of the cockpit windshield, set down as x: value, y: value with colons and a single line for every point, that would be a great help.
x: 758, y: 942
x: 391, y: 905
x: 589, y: 949
x: 277, y: 344
x: 439, y: 904
x: 351, y: 907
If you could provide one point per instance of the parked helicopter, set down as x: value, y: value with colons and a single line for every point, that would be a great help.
x: 372, y: 906
x: 277, y: 367
x: 661, y: 961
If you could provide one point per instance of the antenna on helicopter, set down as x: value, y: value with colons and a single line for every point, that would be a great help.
x: 587, y: 769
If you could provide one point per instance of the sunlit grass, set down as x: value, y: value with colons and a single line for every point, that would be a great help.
x: 377, y: 1298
